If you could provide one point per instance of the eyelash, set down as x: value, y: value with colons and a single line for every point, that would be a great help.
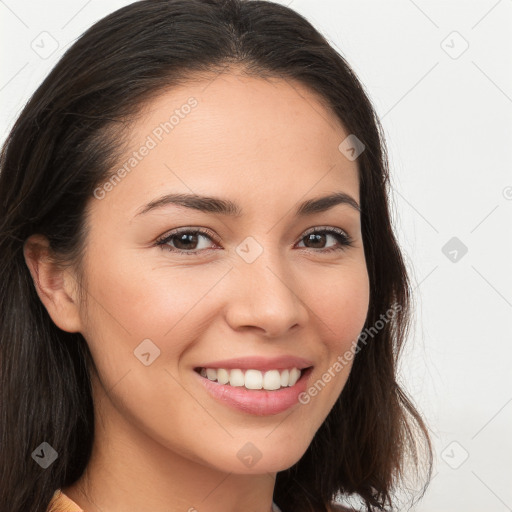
x: 343, y: 238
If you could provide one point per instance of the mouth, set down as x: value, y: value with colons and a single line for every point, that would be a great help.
x: 252, y: 379
x: 259, y: 395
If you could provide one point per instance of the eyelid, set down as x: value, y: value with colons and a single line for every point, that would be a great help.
x: 192, y: 229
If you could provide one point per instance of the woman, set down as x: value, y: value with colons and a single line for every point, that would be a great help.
x: 203, y: 299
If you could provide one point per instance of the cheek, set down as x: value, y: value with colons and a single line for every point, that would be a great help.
x: 133, y: 297
x: 340, y: 299
x: 129, y: 303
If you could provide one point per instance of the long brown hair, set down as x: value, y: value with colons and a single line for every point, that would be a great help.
x: 64, y: 144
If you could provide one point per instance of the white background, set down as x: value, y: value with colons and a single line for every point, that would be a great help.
x: 447, y: 115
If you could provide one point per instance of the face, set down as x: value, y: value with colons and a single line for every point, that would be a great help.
x: 256, y: 284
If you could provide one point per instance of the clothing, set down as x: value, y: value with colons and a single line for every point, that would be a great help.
x: 62, y: 503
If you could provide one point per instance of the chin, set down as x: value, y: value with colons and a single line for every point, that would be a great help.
x: 262, y: 456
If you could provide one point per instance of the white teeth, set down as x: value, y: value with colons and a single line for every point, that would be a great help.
x: 253, y: 379
x: 294, y: 376
x: 236, y: 378
x: 222, y: 376
x: 272, y: 380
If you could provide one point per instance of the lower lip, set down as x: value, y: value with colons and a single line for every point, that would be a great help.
x: 259, y: 402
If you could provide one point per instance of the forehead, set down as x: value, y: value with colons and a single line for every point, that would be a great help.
x: 234, y: 135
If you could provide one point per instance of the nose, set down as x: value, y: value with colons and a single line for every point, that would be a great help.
x: 264, y: 296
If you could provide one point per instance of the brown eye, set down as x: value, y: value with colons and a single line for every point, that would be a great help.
x: 184, y: 241
x: 318, y: 238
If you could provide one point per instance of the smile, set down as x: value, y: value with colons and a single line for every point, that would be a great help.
x: 257, y: 400
x: 253, y: 379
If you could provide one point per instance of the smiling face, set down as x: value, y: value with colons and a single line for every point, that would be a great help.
x: 253, y: 284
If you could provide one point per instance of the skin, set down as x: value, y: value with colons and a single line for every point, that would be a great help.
x: 162, y: 443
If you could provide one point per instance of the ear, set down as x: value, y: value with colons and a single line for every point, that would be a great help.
x: 55, y: 286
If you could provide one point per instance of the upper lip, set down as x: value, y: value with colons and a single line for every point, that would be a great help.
x: 260, y: 363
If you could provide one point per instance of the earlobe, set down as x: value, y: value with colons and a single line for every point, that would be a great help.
x: 54, y: 285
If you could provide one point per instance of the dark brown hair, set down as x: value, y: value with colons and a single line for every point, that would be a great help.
x: 64, y: 144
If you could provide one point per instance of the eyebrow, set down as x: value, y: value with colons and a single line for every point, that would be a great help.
x: 227, y: 207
